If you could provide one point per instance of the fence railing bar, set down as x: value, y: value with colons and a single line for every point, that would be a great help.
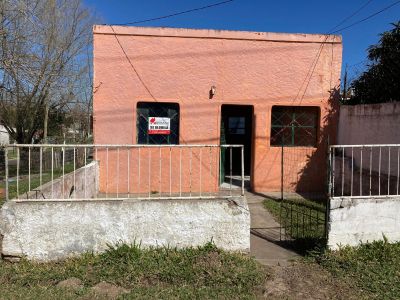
x: 200, y: 169
x: 18, y: 162
x: 128, y: 145
x: 63, y: 172
x: 52, y: 172
x: 40, y: 165
x: 379, y: 176
x: 149, y: 171
x: 210, y: 152
x: 365, y: 145
x: 170, y: 171
x: 388, y: 187
x: 159, y: 179
x: 6, y: 173
x: 117, y: 172
x: 342, y: 171
x: 242, y: 168
x: 139, y: 191
x: 107, y: 172
x: 370, y: 172
x: 85, y: 162
x: 398, y: 170
x: 29, y: 168
x: 352, y: 171
x: 67, y: 162
x: 180, y: 172
x: 333, y: 171
x: 128, y: 154
x: 230, y: 171
x: 190, y: 172
x: 361, y: 168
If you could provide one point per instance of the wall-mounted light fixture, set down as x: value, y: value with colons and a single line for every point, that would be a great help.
x: 212, y: 92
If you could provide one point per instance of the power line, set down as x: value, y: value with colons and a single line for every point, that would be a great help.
x: 131, y: 64
x: 176, y: 14
x: 315, y: 61
x: 352, y: 15
x: 366, y: 18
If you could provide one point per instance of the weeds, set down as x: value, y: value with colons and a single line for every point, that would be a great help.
x: 205, y: 272
x: 373, y: 267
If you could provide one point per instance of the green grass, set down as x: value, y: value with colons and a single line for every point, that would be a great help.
x: 301, y: 218
x: 203, y: 272
x: 302, y: 221
x: 35, y: 181
x: 373, y: 267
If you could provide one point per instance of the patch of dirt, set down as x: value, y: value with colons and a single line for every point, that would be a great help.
x: 210, y: 260
x: 72, y: 284
x: 108, y: 290
x: 307, y: 281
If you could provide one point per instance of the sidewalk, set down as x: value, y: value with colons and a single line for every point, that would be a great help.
x: 264, y: 239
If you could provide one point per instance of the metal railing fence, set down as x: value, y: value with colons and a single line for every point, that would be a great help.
x: 364, y: 170
x: 85, y: 172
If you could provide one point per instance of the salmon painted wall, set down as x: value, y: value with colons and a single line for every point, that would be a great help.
x: 247, y: 68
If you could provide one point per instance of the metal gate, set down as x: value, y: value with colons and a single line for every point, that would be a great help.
x: 303, y: 216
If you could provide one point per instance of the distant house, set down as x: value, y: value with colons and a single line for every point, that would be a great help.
x: 4, y: 136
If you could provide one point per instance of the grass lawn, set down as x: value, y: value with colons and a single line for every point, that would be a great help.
x: 303, y: 221
x: 204, y: 272
x: 35, y: 181
x: 374, y: 267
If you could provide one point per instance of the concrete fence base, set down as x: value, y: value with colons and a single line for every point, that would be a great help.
x: 352, y: 221
x: 51, y: 230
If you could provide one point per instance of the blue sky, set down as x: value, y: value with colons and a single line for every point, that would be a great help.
x: 307, y: 16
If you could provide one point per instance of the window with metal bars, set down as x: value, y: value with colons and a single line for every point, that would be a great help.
x: 157, y: 123
x: 293, y: 126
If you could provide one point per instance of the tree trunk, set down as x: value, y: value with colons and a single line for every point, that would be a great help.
x: 45, y: 122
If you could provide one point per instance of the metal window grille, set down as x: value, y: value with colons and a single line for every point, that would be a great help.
x: 162, y: 110
x: 294, y: 126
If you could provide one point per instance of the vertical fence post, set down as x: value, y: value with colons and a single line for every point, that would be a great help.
x: 6, y: 170
x: 242, y: 168
x: 18, y: 162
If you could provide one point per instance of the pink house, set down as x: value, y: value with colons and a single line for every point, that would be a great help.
x: 267, y: 91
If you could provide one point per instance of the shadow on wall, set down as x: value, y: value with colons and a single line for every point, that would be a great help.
x: 312, y: 178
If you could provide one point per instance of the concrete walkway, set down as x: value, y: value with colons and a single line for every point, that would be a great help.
x: 264, y: 239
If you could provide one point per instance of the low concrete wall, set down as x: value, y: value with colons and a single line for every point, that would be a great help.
x: 352, y: 221
x: 85, y: 185
x: 51, y: 230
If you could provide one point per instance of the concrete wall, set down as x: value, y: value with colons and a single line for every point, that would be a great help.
x: 247, y: 68
x: 371, y: 124
x: 83, y: 184
x: 352, y: 221
x: 51, y: 230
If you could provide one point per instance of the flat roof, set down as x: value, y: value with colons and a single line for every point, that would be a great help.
x: 217, y: 34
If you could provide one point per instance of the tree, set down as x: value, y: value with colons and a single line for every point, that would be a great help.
x: 380, y: 82
x: 43, y: 61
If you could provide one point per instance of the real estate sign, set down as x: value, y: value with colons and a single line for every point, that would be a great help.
x: 159, y: 125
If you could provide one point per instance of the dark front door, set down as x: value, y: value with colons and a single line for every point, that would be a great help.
x: 236, y: 128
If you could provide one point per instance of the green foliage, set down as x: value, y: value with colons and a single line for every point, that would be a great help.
x: 201, y: 272
x: 302, y: 221
x: 380, y: 83
x: 373, y: 267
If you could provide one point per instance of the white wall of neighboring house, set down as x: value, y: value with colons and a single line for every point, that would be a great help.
x: 4, y: 136
x: 370, y: 124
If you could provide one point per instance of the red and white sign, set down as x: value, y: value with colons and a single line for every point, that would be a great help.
x: 159, y: 125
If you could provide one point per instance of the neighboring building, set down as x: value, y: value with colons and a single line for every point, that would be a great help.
x: 221, y: 87
x: 4, y: 136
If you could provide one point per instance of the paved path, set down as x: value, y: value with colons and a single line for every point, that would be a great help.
x: 264, y: 239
